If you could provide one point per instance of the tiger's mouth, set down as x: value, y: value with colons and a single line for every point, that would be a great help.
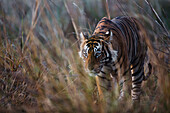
x: 95, y: 71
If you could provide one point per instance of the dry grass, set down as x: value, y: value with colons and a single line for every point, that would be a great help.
x: 40, y: 70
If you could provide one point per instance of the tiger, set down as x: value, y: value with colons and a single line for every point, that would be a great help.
x: 117, y: 48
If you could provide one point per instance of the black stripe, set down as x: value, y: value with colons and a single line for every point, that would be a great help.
x: 102, y: 46
x: 113, y: 64
x: 115, y: 30
x: 110, y: 55
x: 92, y: 40
x: 122, y: 61
x: 103, y: 26
x: 103, y: 72
x: 100, y: 22
x: 115, y: 70
x: 102, y: 32
x: 104, y: 78
x: 137, y: 80
x: 123, y: 30
x: 105, y: 52
x: 118, y: 59
x: 125, y: 72
x: 108, y: 22
x: 136, y: 61
x: 137, y: 90
x: 138, y: 71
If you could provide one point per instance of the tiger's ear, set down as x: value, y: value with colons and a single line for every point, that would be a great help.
x: 109, y: 34
x: 83, y: 37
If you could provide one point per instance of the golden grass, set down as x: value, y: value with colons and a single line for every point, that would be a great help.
x: 40, y: 70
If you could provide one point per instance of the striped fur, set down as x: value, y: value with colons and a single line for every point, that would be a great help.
x: 117, y: 48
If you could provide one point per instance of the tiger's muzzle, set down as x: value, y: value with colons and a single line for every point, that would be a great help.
x: 94, y: 70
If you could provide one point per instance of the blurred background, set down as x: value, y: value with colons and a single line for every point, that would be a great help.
x: 40, y: 70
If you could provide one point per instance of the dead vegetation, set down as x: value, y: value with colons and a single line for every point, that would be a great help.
x: 40, y: 70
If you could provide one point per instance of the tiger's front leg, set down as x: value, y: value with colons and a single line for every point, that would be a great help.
x: 99, y: 88
x: 104, y: 83
x: 125, y: 83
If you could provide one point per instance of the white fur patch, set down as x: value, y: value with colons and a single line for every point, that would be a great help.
x: 80, y: 54
x: 96, y: 50
x: 98, y: 46
x: 85, y: 47
x: 107, y: 32
x: 113, y: 52
x: 111, y: 36
x: 84, y: 53
x: 114, y: 55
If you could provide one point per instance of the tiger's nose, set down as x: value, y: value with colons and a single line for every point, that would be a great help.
x: 90, y: 67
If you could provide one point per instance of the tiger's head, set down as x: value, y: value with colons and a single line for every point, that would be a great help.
x: 97, y: 51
